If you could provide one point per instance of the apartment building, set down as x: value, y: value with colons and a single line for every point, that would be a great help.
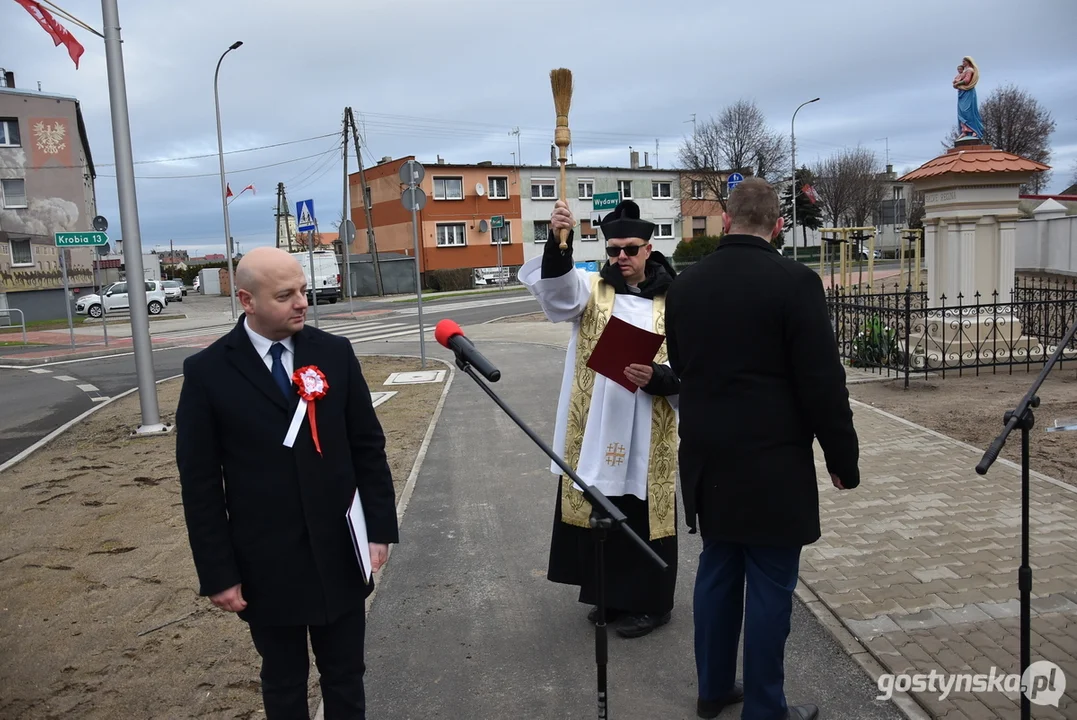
x: 46, y: 186
x: 657, y: 192
x: 455, y: 226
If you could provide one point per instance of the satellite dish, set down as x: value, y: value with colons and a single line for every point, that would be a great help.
x: 479, y: 189
x: 483, y: 226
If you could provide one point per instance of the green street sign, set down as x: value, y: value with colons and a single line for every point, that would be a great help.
x: 81, y: 239
x: 606, y: 201
x: 497, y: 221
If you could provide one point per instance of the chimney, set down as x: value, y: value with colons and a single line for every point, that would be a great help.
x: 441, y: 160
x: 553, y: 156
x: 634, y: 158
x: 646, y: 159
x: 8, y: 79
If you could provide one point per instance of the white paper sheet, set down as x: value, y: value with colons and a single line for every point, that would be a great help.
x: 357, y: 525
x: 297, y: 421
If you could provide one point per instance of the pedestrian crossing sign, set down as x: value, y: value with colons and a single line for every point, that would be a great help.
x: 304, y: 211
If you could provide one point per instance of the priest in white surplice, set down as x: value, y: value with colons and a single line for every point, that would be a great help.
x: 622, y: 443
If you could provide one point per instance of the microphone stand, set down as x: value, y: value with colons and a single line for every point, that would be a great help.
x: 1023, y: 418
x: 604, y: 516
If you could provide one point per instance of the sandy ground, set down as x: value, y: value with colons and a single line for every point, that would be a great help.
x: 971, y: 409
x: 99, y: 616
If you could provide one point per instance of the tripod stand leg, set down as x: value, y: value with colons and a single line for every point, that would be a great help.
x: 601, y: 526
x: 1024, y: 577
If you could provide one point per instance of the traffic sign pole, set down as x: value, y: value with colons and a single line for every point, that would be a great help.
x: 67, y: 297
x: 413, y: 199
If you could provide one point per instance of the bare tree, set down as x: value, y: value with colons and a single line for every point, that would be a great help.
x: 1015, y: 122
x: 916, y: 211
x: 738, y: 140
x: 868, y: 188
x: 849, y: 186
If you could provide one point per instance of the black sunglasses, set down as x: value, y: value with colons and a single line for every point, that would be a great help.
x: 630, y: 250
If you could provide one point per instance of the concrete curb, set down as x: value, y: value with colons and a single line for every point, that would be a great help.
x: 867, y: 660
x: 71, y: 423
x: 409, y: 485
x: 17, y: 363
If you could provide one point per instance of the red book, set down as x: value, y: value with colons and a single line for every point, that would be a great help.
x: 623, y: 344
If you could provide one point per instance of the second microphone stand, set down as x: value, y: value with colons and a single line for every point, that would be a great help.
x: 604, y: 517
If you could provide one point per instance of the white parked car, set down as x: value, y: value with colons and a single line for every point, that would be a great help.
x: 115, y: 297
x: 174, y: 290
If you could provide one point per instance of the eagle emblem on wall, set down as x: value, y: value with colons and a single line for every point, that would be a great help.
x: 50, y: 138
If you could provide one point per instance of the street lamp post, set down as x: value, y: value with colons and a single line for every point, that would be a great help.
x: 793, y: 149
x: 224, y: 185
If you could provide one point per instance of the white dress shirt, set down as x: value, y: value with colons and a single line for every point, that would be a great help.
x: 262, y: 345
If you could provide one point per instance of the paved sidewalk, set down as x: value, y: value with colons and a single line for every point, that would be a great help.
x: 920, y: 562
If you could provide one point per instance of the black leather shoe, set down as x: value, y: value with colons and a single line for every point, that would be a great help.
x: 611, y: 615
x: 713, y: 708
x: 802, y: 712
x: 634, y: 626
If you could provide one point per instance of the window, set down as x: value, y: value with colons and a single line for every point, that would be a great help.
x: 451, y: 235
x: 119, y: 289
x: 21, y: 252
x: 588, y: 231
x: 661, y: 190
x: 663, y: 229
x: 699, y: 226
x: 448, y: 188
x: 499, y: 188
x: 542, y: 231
x: 9, y: 132
x: 697, y: 189
x: 14, y: 192
x: 543, y: 189
x: 625, y: 187
x: 587, y: 189
x: 501, y: 235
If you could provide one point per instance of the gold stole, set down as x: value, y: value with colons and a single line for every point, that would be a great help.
x: 661, y: 487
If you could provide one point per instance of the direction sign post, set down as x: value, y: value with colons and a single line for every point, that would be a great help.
x: 80, y: 239
x: 602, y: 204
x: 497, y: 222
x: 414, y: 199
x: 733, y: 180
x: 76, y: 239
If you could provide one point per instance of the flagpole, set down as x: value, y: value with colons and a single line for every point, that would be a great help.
x: 132, y: 237
x: 224, y: 188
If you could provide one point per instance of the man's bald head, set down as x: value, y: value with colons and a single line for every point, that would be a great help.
x: 261, y: 262
x: 271, y: 285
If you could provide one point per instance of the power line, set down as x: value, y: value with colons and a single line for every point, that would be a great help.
x: 217, y: 174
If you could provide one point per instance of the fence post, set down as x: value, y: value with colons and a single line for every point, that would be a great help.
x: 908, y: 332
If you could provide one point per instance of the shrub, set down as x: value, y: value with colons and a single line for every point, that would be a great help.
x: 456, y: 279
x: 875, y: 346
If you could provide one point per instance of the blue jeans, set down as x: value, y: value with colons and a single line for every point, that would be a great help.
x: 771, y: 575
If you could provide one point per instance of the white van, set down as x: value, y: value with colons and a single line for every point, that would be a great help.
x: 326, y: 280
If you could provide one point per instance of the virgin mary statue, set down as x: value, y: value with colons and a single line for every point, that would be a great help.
x: 969, y: 122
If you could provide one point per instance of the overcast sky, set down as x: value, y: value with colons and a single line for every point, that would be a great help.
x: 455, y: 77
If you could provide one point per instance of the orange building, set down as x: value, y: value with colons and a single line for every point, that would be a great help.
x: 455, y: 225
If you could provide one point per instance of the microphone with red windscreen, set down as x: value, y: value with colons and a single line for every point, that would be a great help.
x: 449, y: 334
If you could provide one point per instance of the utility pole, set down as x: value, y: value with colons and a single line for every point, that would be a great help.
x: 366, y: 205
x: 280, y: 192
x: 345, y: 218
x: 519, y: 155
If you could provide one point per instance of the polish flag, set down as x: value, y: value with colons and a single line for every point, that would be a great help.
x: 56, y: 31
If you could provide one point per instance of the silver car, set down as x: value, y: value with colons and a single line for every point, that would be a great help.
x: 174, y: 290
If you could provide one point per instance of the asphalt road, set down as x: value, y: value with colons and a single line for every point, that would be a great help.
x: 35, y: 404
x: 466, y: 625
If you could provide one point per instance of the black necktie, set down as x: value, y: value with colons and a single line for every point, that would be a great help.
x: 279, y: 373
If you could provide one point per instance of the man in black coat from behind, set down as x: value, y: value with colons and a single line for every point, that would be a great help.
x: 750, y: 338
x: 267, y: 522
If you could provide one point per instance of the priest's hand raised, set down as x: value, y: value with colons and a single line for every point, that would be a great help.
x: 561, y: 218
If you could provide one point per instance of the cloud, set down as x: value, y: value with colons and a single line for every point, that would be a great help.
x: 430, y: 78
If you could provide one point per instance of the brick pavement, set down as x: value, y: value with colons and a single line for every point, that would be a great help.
x: 920, y: 564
